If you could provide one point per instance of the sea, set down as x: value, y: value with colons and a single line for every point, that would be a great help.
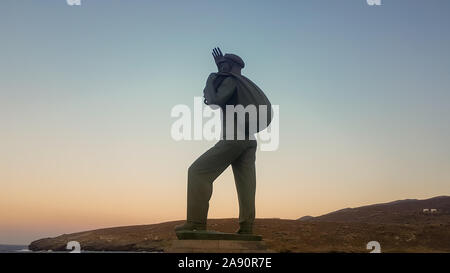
x: 24, y: 249
x: 14, y: 249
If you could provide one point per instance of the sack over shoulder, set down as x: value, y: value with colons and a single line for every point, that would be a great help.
x: 248, y: 93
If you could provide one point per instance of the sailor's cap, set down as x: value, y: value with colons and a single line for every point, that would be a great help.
x: 235, y: 58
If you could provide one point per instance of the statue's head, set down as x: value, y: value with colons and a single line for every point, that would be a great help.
x: 228, y: 62
x: 224, y: 65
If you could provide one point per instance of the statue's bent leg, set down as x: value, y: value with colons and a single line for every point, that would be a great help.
x: 203, y: 172
x: 245, y: 178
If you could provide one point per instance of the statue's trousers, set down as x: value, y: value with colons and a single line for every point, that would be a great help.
x: 241, y: 155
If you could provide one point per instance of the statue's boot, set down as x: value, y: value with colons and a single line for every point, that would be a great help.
x: 190, y: 226
x: 245, y: 229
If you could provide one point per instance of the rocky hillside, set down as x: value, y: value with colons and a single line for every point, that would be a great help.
x: 409, y: 211
x: 398, y: 226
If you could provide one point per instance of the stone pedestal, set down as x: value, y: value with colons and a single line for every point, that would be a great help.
x: 217, y: 242
x: 216, y: 235
x: 217, y: 246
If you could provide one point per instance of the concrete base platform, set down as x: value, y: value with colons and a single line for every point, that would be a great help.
x: 217, y: 246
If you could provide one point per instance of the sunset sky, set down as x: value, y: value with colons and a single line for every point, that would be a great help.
x: 86, y: 93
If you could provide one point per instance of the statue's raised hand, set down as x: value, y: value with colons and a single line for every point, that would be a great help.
x: 218, y: 56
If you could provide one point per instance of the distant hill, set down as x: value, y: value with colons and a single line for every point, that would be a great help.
x: 399, y: 226
x: 406, y: 211
x: 304, y: 218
